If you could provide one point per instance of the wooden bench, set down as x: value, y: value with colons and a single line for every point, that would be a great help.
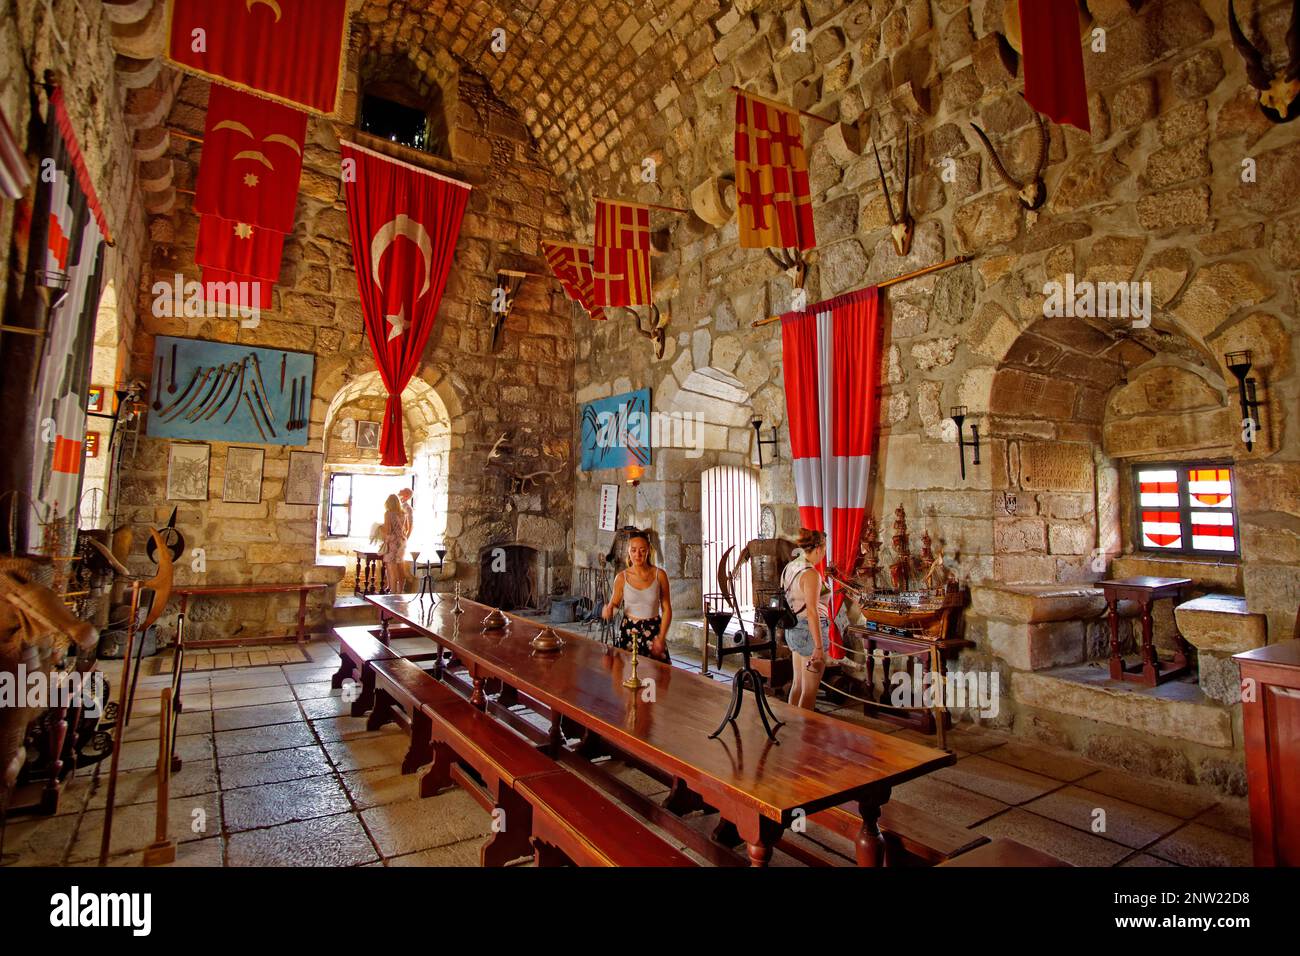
x: 187, y: 591
x: 912, y: 837
x: 359, y: 648
x: 401, y: 692
x: 1004, y: 852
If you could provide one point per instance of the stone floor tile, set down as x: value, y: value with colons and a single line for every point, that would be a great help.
x: 249, y: 770
x: 187, y: 725
x: 1050, y: 763
x: 349, y: 728
x: 450, y: 817
x: 332, y: 706
x: 315, y: 689
x: 272, y: 804
x: 208, y: 852
x: 974, y: 738
x: 1127, y: 823
x: 248, y: 679
x: 464, y: 853
x: 1229, y: 816
x: 380, y: 785
x: 251, y: 696
x: 38, y: 841
x: 143, y: 754
x: 997, y: 780
x: 260, y: 715
x: 134, y: 827
x: 366, y: 752
x: 308, y: 673
x: 1146, y: 859
x: 141, y: 786
x: 231, y: 743
x: 1065, y: 843
x: 1181, y: 801
x: 953, y: 804
x: 334, y: 841
x: 1197, y: 845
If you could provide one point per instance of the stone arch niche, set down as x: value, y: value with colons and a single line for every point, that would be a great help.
x: 427, y: 435
x: 107, y: 368
x: 1071, y: 405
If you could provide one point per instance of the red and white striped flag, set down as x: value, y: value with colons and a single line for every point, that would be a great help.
x: 571, y: 264
x: 831, y: 356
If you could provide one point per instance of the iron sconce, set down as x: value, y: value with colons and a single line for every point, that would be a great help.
x: 958, y: 415
x: 1239, y: 364
x: 760, y: 441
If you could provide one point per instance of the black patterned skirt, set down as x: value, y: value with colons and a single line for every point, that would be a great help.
x: 645, y: 632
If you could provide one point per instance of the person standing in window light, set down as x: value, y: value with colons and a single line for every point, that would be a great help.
x: 392, y: 535
x: 408, y: 513
x: 642, y: 589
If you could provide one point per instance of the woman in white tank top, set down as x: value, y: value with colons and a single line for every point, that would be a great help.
x: 643, y: 591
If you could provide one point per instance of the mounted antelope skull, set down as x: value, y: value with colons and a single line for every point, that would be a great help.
x: 1032, y: 192
x: 655, y: 333
x: 900, y: 226
x: 1279, y: 94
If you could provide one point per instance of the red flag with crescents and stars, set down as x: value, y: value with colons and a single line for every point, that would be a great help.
x: 571, y: 264
x: 287, y: 50
x: 252, y: 160
x: 238, y: 247
x: 773, y: 200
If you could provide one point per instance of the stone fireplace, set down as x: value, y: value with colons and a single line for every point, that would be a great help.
x: 513, y: 577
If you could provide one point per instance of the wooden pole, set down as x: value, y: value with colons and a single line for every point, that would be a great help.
x: 111, y: 796
x: 163, y: 850
x: 779, y: 105
x: 181, y: 134
x: 916, y: 274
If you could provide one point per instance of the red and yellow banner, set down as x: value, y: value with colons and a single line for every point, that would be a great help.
x: 572, y: 265
x: 772, y: 194
x: 621, y: 256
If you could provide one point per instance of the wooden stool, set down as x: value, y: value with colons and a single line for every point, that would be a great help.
x: 1146, y: 591
x: 371, y: 581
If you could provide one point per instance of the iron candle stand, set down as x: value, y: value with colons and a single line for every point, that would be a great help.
x: 760, y: 441
x: 1239, y: 364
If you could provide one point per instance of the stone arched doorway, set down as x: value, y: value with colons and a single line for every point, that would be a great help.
x: 355, y: 484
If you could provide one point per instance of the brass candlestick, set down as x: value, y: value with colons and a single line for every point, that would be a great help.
x: 455, y: 607
x: 633, y: 682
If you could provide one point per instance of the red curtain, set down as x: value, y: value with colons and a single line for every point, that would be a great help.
x: 404, y: 222
x: 831, y: 368
x: 1054, y: 80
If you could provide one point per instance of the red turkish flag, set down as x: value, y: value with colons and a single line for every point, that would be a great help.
x: 404, y: 222
x: 252, y: 160
x: 231, y: 246
x: 288, y: 50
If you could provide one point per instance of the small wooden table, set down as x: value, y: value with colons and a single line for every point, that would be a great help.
x: 1146, y: 591
x: 186, y: 591
x: 371, y: 581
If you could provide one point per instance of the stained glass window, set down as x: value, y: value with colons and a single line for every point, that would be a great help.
x: 1186, y: 509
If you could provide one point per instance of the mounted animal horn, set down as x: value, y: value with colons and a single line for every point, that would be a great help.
x: 1032, y: 192
x: 900, y: 226
x: 1279, y: 93
x: 655, y: 333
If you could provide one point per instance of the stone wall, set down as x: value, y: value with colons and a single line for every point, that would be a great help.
x: 316, y: 308
x: 75, y: 40
x: 1154, y: 193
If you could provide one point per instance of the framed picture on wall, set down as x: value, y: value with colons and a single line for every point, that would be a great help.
x: 243, y: 484
x: 302, y: 485
x: 95, y: 399
x: 367, y: 435
x: 187, y: 472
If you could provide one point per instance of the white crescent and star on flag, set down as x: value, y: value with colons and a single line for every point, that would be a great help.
x: 385, y: 235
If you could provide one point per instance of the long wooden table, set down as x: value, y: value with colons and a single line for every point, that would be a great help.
x: 759, y: 786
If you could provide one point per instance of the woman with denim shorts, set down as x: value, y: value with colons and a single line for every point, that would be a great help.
x: 809, y: 640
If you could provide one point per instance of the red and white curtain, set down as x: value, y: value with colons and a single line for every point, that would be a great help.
x: 404, y: 222
x: 831, y: 356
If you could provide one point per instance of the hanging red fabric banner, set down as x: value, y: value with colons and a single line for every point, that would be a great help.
x: 404, y: 222
x: 572, y: 265
x: 252, y: 160
x: 831, y: 366
x: 1054, y: 80
x: 287, y: 50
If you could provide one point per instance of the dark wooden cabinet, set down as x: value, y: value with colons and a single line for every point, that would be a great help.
x: 1271, y: 715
